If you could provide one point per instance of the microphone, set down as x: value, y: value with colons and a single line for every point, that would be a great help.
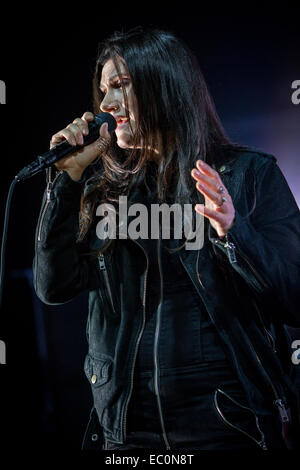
x: 64, y: 148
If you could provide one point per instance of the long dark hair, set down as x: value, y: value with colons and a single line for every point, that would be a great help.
x: 175, y: 109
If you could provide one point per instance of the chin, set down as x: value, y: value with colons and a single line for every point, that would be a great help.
x: 124, y: 143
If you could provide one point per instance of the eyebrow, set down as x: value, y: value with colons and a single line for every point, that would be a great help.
x: 116, y: 75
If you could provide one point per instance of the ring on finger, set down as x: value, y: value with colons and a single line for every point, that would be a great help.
x: 221, y: 189
x: 223, y: 199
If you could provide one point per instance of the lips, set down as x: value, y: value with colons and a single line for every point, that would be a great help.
x: 121, y: 120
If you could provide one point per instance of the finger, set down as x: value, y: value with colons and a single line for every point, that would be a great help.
x: 83, y: 125
x: 65, y: 134
x: 210, y: 214
x: 88, y: 116
x: 213, y: 196
x: 76, y: 131
x: 203, y: 167
x: 104, y: 131
x: 211, y: 182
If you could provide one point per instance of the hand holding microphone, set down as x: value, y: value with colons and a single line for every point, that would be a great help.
x: 75, y: 133
x: 75, y: 147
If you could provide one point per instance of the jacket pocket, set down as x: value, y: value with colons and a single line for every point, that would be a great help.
x: 238, y: 417
x: 97, y: 371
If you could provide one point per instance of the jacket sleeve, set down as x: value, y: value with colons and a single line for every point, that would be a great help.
x: 264, y: 248
x: 60, y: 269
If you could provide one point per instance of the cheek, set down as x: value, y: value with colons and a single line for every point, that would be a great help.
x: 132, y: 104
x: 134, y: 109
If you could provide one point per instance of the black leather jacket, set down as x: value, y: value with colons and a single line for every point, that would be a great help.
x: 249, y: 283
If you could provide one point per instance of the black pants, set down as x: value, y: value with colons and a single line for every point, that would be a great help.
x: 203, y: 407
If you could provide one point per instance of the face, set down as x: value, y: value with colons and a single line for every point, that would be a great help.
x: 114, y: 102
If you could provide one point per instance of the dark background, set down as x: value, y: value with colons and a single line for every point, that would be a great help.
x: 249, y: 56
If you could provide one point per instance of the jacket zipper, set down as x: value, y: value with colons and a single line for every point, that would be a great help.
x: 261, y: 443
x: 270, y: 339
x: 106, y: 279
x: 49, y: 188
x: 196, y: 268
x: 232, y: 258
x: 268, y: 334
x: 230, y: 248
x: 156, y: 367
x: 255, y: 272
x: 279, y: 402
x: 137, y: 342
x: 231, y: 252
x: 198, y: 275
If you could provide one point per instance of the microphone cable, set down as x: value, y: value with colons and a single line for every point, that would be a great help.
x: 4, y: 236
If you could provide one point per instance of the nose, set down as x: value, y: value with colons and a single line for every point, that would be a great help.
x: 107, y: 104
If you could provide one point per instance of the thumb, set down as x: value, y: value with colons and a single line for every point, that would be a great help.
x: 104, y: 131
